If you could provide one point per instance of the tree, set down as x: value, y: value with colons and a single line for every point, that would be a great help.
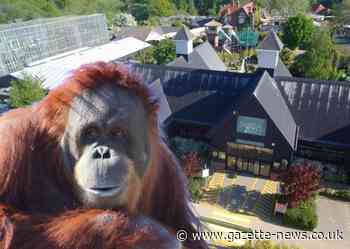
x: 320, y: 59
x: 343, y: 12
x: 298, y: 31
x: 287, y: 56
x: 286, y: 7
x: 160, y: 53
x: 164, y: 52
x: 26, y: 91
x: 161, y: 8
x: 300, y: 182
x: 124, y: 19
x: 146, y: 56
x: 140, y: 11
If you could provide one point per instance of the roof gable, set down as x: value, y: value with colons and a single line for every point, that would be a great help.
x: 184, y: 34
x: 271, y: 99
x: 271, y: 42
x: 157, y: 92
x: 203, y: 56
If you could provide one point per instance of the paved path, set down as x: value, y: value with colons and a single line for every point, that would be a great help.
x: 332, y: 214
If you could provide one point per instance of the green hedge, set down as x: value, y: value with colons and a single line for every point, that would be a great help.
x: 343, y: 195
x: 304, y: 216
x: 195, y: 185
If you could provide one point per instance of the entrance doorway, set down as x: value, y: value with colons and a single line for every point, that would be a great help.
x: 231, y: 162
x: 248, y: 158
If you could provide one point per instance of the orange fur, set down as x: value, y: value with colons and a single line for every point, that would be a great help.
x: 34, y: 184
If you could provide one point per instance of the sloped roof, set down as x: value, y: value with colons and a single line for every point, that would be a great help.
x: 318, y: 8
x: 185, y: 86
x: 233, y: 8
x: 54, y: 70
x: 184, y: 34
x: 216, y: 106
x: 139, y: 32
x: 203, y: 56
x: 164, y: 111
x: 281, y: 70
x: 213, y: 23
x: 271, y: 42
x: 320, y: 107
x: 5, y: 81
x: 271, y: 99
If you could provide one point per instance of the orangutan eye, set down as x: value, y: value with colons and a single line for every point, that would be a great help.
x: 118, y: 132
x: 91, y: 132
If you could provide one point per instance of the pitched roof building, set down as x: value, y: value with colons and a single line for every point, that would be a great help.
x: 268, y: 53
x: 238, y: 16
x: 256, y: 116
x: 201, y: 57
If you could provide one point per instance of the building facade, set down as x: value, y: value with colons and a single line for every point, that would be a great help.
x: 257, y: 123
x: 26, y: 42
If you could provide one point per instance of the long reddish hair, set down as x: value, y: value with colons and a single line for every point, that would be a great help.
x: 33, y: 162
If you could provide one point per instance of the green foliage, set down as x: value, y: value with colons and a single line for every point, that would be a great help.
x: 11, y: 10
x: 26, y: 91
x: 195, y: 185
x: 146, y: 56
x: 160, y: 53
x: 232, y: 61
x: 139, y: 11
x: 343, y: 194
x: 298, y: 31
x: 303, y: 216
x: 320, y: 60
x: 286, y: 7
x: 265, y: 244
x: 164, y: 52
x: 161, y: 8
x: 287, y: 56
x: 343, y: 12
x: 124, y: 19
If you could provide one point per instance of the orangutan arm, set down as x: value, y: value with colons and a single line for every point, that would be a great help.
x: 82, y: 229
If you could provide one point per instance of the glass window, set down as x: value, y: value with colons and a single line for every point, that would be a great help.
x: 242, y: 141
x: 250, y: 125
x: 215, y: 154
x: 222, y: 155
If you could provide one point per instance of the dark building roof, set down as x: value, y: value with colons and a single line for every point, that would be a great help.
x: 271, y: 42
x: 320, y: 107
x: 199, y: 22
x: 208, y: 110
x: 185, y: 86
x: 203, y: 57
x: 184, y: 34
x: 206, y: 96
x: 5, y: 81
